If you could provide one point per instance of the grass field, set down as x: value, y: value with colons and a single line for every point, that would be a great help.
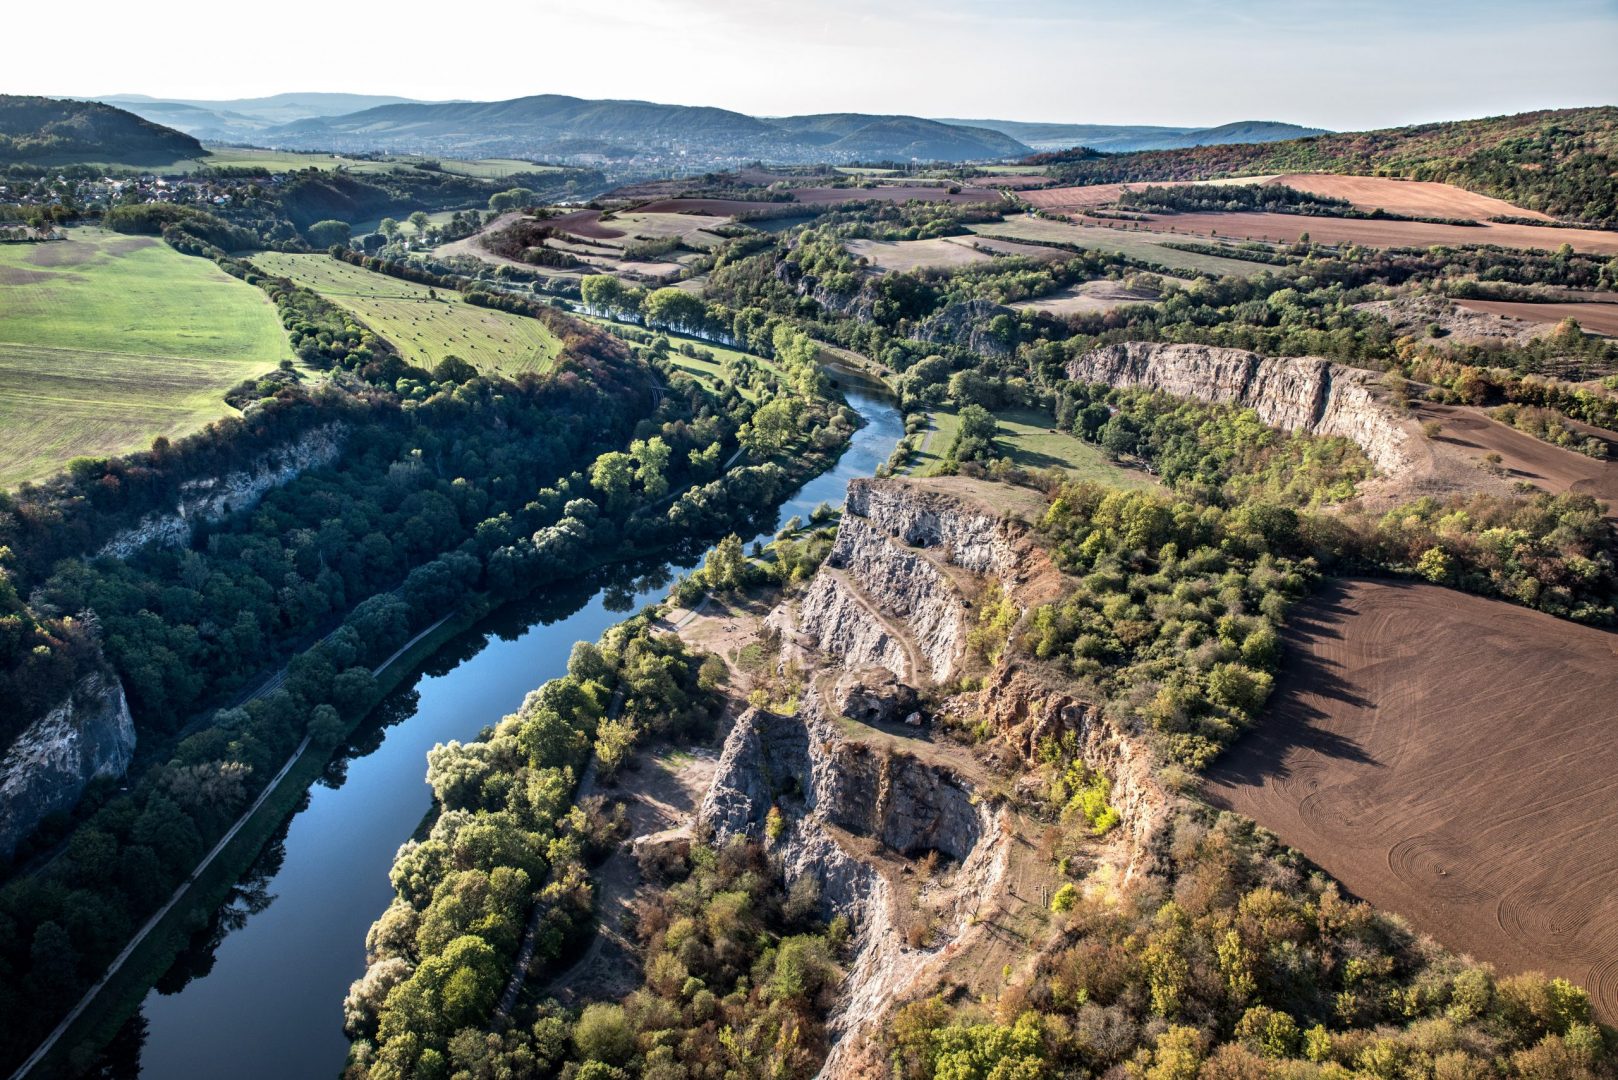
x: 1149, y: 247
x: 1028, y: 437
x: 108, y: 341
x: 424, y: 330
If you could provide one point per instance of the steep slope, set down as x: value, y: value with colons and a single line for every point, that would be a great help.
x: 51, y: 131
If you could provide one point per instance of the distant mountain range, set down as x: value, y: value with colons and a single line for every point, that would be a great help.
x: 242, y: 119
x: 1116, y: 138
x: 553, y: 125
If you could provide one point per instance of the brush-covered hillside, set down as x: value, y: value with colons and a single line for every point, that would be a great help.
x: 51, y: 131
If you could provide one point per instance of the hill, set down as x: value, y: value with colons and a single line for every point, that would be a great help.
x: 1121, y: 138
x: 50, y: 131
x: 1560, y: 161
x: 554, y: 124
x: 242, y: 119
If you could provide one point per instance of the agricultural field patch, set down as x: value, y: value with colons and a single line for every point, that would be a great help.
x: 944, y: 252
x: 424, y: 324
x: 107, y: 341
x: 1089, y: 298
x: 1415, y: 198
x: 1370, y: 232
x: 1450, y: 758
x: 1031, y: 440
x: 1145, y: 246
x: 1593, y: 318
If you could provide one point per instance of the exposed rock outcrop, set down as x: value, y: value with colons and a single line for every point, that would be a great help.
x: 966, y: 323
x: 212, y: 498
x: 1305, y: 394
x: 886, y: 596
x: 89, y: 736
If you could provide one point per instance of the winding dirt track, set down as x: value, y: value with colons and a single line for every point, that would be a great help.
x: 1452, y: 759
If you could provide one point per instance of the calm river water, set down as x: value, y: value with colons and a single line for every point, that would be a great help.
x: 259, y: 995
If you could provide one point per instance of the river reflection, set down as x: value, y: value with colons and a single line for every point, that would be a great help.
x: 258, y: 993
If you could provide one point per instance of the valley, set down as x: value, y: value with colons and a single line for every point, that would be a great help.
x: 590, y: 588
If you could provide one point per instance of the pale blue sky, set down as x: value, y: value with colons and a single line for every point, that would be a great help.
x: 1345, y: 64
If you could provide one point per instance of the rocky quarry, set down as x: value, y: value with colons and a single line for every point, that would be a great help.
x: 916, y: 838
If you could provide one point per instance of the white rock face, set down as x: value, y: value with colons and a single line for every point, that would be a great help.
x: 1306, y: 394
x: 213, y: 498
x: 881, y: 598
x: 89, y: 736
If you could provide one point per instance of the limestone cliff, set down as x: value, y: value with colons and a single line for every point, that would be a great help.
x: 212, y: 498
x: 89, y: 736
x: 859, y: 804
x: 1304, y: 394
x: 886, y: 594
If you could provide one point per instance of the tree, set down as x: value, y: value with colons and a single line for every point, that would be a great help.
x: 652, y: 456
x: 726, y: 566
x: 604, y: 1034
x: 419, y: 221
x: 974, y: 441
x: 326, y: 233
x: 612, y: 474
x: 773, y: 427
x: 389, y: 228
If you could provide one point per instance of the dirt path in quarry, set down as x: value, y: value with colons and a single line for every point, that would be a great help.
x: 661, y: 790
x: 1471, y: 434
x: 1450, y: 758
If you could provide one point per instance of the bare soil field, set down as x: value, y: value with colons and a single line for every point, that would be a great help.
x: 1593, y: 318
x: 1090, y: 298
x: 1285, y: 228
x: 820, y: 196
x: 1469, y: 432
x: 943, y: 252
x: 1449, y: 758
x: 584, y: 223
x: 1417, y: 198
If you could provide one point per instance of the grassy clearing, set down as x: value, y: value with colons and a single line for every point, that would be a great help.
x: 1148, y: 247
x: 108, y: 341
x: 423, y: 329
x: 1029, y: 438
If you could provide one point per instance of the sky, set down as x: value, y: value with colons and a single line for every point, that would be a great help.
x: 1347, y: 64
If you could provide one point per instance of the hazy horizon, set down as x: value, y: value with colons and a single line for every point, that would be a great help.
x: 1346, y: 66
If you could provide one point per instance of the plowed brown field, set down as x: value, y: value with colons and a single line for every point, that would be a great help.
x: 1285, y: 228
x: 1417, y: 198
x: 1524, y: 457
x: 1593, y: 318
x: 1452, y: 759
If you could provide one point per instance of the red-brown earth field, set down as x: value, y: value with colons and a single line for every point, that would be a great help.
x: 1449, y: 758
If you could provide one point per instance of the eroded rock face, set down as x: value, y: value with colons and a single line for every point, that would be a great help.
x: 965, y: 323
x: 1306, y: 394
x: 212, y: 498
x: 883, y: 596
x: 89, y: 736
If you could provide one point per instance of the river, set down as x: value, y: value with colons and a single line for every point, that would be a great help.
x: 259, y: 994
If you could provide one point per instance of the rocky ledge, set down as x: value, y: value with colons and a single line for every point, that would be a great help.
x: 1307, y: 394
x: 87, y: 737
